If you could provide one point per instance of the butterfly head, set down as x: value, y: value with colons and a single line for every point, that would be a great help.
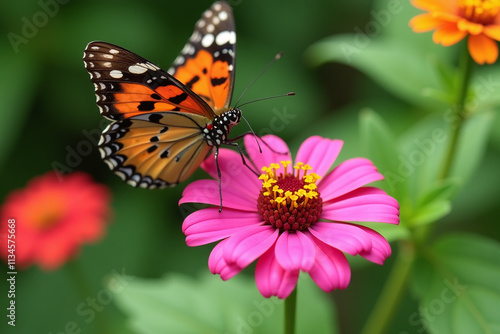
x: 216, y: 133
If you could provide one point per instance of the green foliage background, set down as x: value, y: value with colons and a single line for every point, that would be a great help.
x: 382, y: 91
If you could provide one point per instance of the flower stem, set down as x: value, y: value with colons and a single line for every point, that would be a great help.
x: 466, y: 67
x: 85, y: 292
x: 290, y: 308
x: 396, y: 284
x: 392, y: 292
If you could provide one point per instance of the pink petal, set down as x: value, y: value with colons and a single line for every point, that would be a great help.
x: 331, y: 269
x: 295, y: 251
x: 320, y: 153
x: 248, y: 244
x: 267, y: 156
x: 218, y: 265
x: 349, y: 175
x: 207, y: 191
x: 363, y: 205
x: 348, y: 238
x: 272, y: 279
x: 209, y: 225
x: 381, y: 249
x: 233, y: 172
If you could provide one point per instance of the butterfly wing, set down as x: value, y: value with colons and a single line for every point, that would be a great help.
x: 155, y: 139
x: 206, y: 63
x: 154, y: 150
x: 127, y: 85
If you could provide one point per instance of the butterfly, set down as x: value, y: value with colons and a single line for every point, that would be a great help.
x: 165, y: 123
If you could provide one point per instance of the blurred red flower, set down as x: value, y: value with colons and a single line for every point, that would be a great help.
x: 53, y: 218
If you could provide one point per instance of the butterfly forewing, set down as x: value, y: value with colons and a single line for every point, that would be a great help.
x: 206, y: 63
x: 127, y: 85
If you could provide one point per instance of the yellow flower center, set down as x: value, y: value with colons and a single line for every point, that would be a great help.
x: 289, y: 200
x: 479, y: 11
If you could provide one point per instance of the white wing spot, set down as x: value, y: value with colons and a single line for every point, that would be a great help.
x: 210, y: 28
x: 207, y: 40
x: 179, y: 60
x: 208, y: 13
x: 201, y: 23
x: 107, y: 64
x: 215, y: 20
x: 94, y: 47
x: 225, y: 37
x: 107, y: 56
x: 223, y: 16
x: 137, y: 69
x: 121, y: 175
x: 90, y: 55
x: 113, y: 51
x: 97, y: 74
x: 217, y: 6
x: 195, y: 37
x: 116, y: 74
x: 230, y: 68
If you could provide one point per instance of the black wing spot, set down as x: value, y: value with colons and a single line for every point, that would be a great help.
x: 165, y: 154
x: 155, y: 118
x: 165, y: 129
x: 191, y: 82
x: 126, y: 123
x: 178, y: 99
x: 151, y: 149
x: 204, y: 70
x: 156, y: 96
x: 154, y: 139
x: 146, y: 106
x: 218, y: 81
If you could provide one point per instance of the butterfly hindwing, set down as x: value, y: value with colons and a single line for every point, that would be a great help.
x: 127, y: 85
x: 206, y: 63
x: 155, y: 150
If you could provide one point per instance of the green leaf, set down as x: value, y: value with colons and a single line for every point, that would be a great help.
x: 435, y: 202
x: 180, y: 304
x: 456, y: 283
x: 379, y: 145
x: 404, y: 72
x: 471, y: 145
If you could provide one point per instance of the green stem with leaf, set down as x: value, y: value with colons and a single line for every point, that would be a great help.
x: 395, y: 286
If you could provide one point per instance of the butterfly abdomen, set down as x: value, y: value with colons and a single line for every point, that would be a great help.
x: 216, y: 133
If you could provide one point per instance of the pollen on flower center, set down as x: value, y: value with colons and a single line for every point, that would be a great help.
x: 479, y: 11
x: 290, y: 200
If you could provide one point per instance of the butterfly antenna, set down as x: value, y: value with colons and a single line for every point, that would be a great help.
x: 267, y: 98
x: 277, y: 57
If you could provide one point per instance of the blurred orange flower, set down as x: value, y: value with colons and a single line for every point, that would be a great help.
x: 454, y: 20
x: 53, y: 218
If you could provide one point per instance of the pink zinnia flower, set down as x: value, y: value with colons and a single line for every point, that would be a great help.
x: 293, y: 218
x: 53, y: 219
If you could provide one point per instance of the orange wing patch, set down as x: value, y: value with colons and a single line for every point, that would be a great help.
x: 209, y: 79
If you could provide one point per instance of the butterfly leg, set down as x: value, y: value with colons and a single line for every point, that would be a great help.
x: 218, y: 175
x: 235, y: 144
